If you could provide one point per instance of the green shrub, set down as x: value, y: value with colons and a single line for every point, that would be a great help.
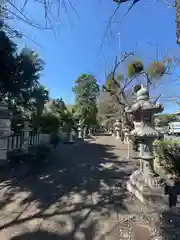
x: 40, y: 153
x: 167, y: 152
x: 54, y: 139
x: 49, y: 123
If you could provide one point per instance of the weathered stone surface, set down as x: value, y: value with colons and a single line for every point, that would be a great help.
x: 144, y: 183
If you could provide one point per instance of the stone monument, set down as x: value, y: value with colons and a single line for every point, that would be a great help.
x: 144, y: 183
x: 117, y: 129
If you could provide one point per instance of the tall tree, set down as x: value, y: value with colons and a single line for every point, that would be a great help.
x: 20, y: 72
x: 19, y: 81
x: 86, y: 91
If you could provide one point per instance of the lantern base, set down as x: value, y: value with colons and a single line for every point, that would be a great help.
x: 147, y: 188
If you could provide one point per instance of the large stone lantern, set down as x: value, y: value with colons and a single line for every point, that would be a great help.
x: 144, y: 183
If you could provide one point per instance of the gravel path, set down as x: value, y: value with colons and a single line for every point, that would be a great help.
x: 80, y: 194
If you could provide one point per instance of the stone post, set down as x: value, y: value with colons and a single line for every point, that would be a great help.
x: 90, y: 131
x: 71, y: 136
x: 126, y: 135
x: 110, y: 131
x: 113, y: 130
x: 144, y: 183
x: 26, y: 129
x: 117, y: 129
x: 80, y: 131
x: 5, y: 130
x: 84, y: 132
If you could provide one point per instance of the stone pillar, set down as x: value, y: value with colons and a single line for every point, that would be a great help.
x: 26, y: 129
x: 117, y: 129
x: 90, y: 131
x: 111, y: 131
x: 126, y: 135
x: 71, y: 136
x: 80, y: 131
x: 84, y: 132
x: 144, y: 183
x: 5, y: 130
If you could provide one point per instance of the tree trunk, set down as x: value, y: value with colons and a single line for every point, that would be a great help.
x: 178, y: 21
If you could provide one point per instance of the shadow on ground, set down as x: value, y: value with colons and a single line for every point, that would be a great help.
x: 170, y: 224
x: 40, y: 235
x: 86, y: 233
x: 78, y: 180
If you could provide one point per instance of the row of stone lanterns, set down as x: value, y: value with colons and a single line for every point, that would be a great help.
x: 117, y: 128
x: 82, y: 131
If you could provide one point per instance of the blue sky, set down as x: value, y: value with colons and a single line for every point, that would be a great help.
x: 76, y: 47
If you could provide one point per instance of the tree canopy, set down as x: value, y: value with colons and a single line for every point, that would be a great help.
x: 20, y: 71
x: 86, y: 91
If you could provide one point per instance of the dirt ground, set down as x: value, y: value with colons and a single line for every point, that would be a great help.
x: 79, y: 194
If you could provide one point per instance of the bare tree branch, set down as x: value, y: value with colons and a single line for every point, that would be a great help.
x: 12, y: 10
x: 169, y: 4
x: 109, y: 24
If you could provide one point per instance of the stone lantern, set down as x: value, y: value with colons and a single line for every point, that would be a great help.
x: 144, y: 183
x: 80, y: 130
x: 117, y: 129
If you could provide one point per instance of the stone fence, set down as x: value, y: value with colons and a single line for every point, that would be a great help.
x: 20, y: 142
x: 15, y: 142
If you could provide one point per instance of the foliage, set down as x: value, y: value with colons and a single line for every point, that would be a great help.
x: 86, y: 91
x: 19, y: 83
x: 49, y: 123
x: 20, y: 72
x: 156, y: 69
x: 55, y: 114
x: 38, y: 97
x: 134, y: 68
x: 168, y: 154
x: 41, y: 153
x: 54, y: 139
x: 163, y: 119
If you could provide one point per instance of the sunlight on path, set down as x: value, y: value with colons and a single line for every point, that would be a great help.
x: 80, y: 194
